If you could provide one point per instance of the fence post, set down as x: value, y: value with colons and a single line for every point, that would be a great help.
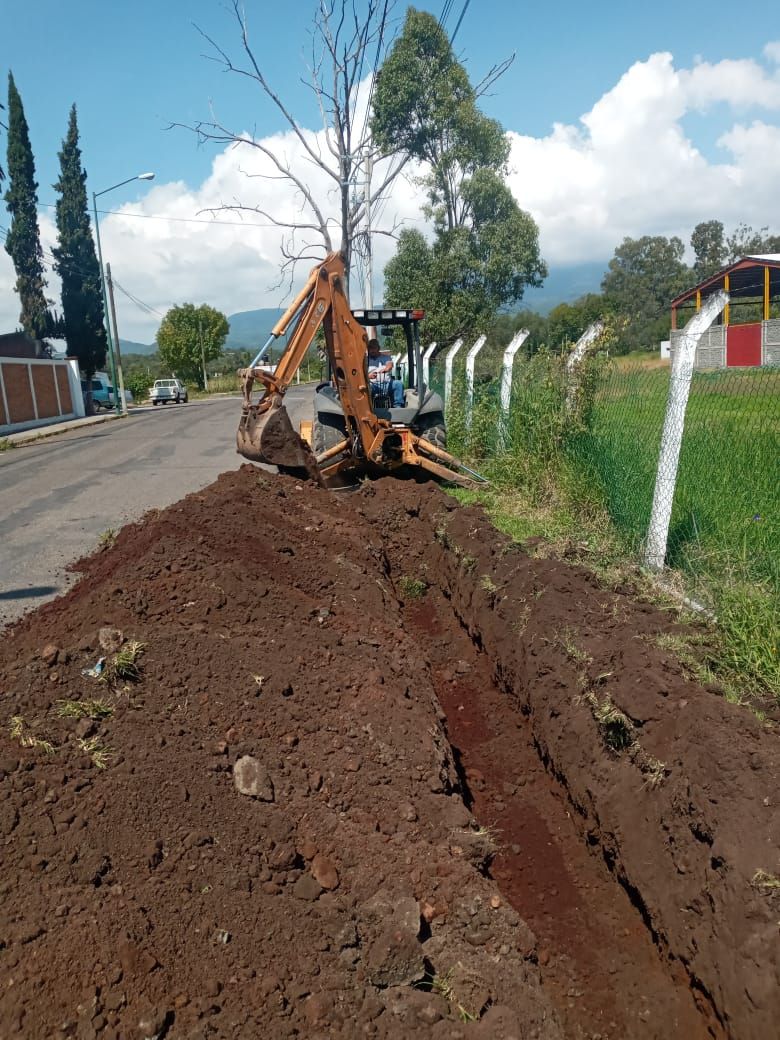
x: 426, y: 362
x: 449, y: 359
x: 515, y: 343
x: 574, y: 360
x: 471, y: 359
x: 674, y: 423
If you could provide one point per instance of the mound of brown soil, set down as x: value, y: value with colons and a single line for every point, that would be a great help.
x: 271, y: 830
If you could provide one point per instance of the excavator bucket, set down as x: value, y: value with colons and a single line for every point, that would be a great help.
x: 267, y: 435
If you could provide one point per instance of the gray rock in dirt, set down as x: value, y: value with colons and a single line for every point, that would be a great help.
x: 395, y: 958
x: 252, y: 779
x: 393, y: 909
x: 414, y: 1006
x: 110, y: 639
x: 307, y: 888
x: 151, y: 1022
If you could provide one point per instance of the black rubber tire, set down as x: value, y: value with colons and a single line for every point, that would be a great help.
x: 186, y: 398
x: 155, y: 403
x: 326, y: 432
x: 176, y: 399
x: 431, y: 428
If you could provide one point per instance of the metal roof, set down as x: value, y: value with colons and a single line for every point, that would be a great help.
x: 746, y: 279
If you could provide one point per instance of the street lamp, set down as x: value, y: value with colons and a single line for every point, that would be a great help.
x: 113, y: 348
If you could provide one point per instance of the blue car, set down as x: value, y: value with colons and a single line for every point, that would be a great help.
x: 102, y: 396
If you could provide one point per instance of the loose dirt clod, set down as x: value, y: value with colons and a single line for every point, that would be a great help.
x: 415, y: 791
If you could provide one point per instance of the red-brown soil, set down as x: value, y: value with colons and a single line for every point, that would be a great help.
x: 448, y: 834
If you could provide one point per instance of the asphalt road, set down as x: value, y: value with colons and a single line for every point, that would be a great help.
x: 59, y: 495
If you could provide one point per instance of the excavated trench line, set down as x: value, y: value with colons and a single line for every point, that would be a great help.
x: 597, y: 957
x: 634, y: 860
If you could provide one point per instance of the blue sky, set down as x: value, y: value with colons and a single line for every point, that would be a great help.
x: 623, y: 119
x: 134, y: 68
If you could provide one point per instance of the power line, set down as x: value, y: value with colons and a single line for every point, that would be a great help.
x: 179, y: 220
x: 445, y: 11
x: 462, y: 13
x: 49, y: 261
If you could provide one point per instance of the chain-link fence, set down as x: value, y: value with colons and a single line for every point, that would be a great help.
x: 724, y: 533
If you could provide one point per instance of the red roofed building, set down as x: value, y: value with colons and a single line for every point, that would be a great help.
x: 746, y: 334
x: 748, y: 331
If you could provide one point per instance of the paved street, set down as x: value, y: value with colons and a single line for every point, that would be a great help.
x: 59, y: 495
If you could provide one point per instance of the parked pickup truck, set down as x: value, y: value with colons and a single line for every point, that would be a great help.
x: 165, y: 390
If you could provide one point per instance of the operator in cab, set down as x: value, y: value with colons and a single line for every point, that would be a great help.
x: 380, y: 367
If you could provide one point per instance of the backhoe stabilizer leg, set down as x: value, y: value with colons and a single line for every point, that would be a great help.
x: 444, y: 465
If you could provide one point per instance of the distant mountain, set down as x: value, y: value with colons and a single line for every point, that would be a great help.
x: 563, y: 285
x: 250, y: 329
x: 129, y: 346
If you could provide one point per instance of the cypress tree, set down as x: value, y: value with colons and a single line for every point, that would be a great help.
x: 76, y: 261
x: 23, y: 243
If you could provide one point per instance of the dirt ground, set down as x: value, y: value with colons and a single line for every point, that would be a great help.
x: 380, y: 773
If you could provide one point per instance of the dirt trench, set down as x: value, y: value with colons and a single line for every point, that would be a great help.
x: 381, y: 774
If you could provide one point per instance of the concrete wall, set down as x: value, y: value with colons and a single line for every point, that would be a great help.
x: 711, y: 351
x: 770, y: 342
x: 37, y: 392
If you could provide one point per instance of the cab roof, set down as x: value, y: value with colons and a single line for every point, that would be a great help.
x: 388, y: 315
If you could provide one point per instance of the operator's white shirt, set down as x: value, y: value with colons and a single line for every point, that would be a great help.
x: 375, y: 363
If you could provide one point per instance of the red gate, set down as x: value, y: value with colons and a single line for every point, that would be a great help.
x: 743, y: 345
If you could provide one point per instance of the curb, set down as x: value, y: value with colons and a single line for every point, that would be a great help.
x: 22, y: 437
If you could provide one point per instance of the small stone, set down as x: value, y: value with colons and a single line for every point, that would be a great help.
x: 308, y: 850
x: 395, y: 958
x: 152, y: 1022
x: 495, y: 902
x: 325, y: 872
x: 85, y: 728
x: 544, y: 957
x: 407, y: 812
x: 50, y: 654
x: 110, y: 639
x: 352, y: 765
x: 252, y: 779
x: 212, y: 988
x: 315, y: 780
x: 307, y: 887
x: 317, y: 1008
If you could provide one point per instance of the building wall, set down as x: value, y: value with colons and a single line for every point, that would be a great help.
x: 711, y: 351
x: 36, y: 392
x: 770, y: 342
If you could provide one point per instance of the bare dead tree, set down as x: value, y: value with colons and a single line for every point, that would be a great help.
x: 347, y: 46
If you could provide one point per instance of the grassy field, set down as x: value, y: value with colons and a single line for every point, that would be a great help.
x: 727, y: 502
x: 598, y: 466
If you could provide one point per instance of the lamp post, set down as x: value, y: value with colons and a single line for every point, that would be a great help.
x: 113, y: 349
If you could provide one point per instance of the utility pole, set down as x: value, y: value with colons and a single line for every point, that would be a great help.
x: 202, y: 355
x: 369, y: 263
x: 119, y: 401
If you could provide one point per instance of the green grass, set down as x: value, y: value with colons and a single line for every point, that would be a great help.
x: 412, y: 588
x: 6, y: 444
x: 584, y: 483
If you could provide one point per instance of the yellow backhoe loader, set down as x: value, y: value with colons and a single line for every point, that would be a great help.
x: 353, y: 432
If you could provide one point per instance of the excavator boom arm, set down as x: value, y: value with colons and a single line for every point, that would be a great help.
x: 265, y: 433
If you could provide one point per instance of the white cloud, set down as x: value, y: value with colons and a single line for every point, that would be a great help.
x: 628, y: 167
